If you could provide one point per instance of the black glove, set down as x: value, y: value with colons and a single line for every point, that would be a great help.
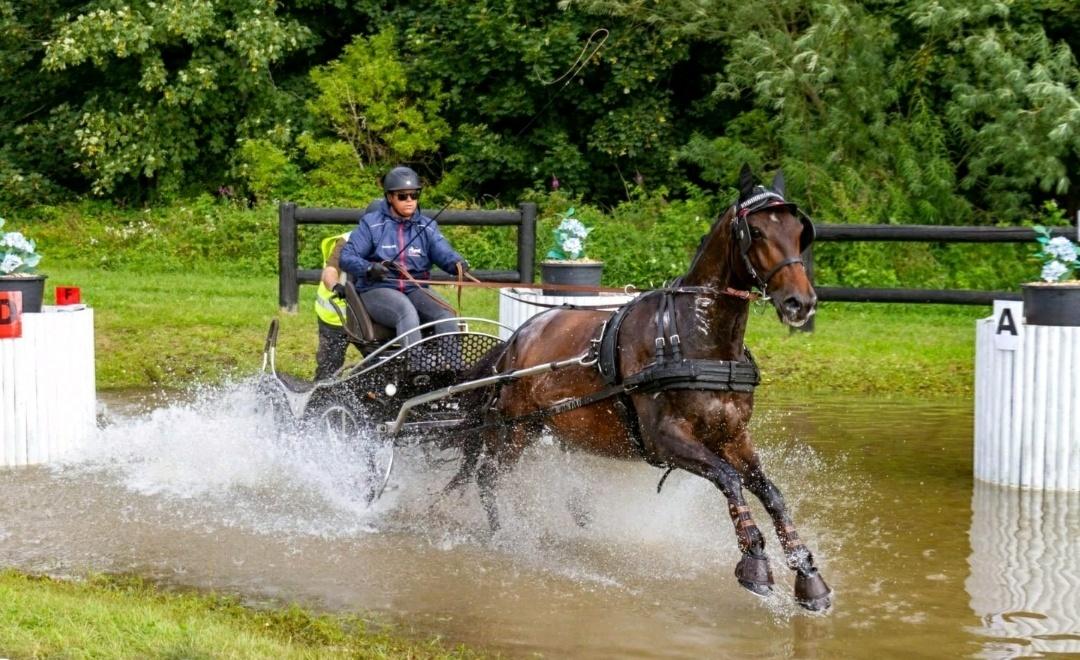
x: 464, y: 266
x: 377, y: 272
x: 339, y: 290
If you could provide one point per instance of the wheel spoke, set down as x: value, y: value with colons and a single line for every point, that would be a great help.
x: 372, y: 457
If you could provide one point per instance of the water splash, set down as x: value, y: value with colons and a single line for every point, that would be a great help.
x: 213, y: 459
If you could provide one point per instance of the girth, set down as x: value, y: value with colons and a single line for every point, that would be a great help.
x: 690, y: 374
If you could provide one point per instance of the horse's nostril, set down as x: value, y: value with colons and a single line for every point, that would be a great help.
x: 792, y: 304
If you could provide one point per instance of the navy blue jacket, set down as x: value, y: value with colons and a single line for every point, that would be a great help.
x: 380, y: 237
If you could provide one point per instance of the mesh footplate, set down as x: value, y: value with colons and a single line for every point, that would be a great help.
x: 431, y: 364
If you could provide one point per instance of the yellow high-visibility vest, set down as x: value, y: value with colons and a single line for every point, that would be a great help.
x: 325, y: 303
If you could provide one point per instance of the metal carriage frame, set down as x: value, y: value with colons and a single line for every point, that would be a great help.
x: 366, y: 402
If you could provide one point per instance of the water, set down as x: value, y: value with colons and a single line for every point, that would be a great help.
x: 923, y: 561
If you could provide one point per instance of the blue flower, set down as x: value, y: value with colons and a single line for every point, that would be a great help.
x: 17, y: 253
x: 1061, y: 249
x: 10, y: 264
x: 1053, y: 271
x: 569, y: 238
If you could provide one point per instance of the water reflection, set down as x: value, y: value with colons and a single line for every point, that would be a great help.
x: 1025, y: 570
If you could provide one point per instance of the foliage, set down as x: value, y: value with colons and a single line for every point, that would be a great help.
x: 568, y: 238
x: 895, y: 111
x: 200, y: 233
x: 18, y: 254
x: 910, y: 111
x: 365, y: 98
x: 266, y: 170
x: 170, y: 85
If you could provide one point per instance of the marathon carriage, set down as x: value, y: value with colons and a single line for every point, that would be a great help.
x: 395, y: 396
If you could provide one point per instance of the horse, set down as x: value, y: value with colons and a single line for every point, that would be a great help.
x: 688, y: 421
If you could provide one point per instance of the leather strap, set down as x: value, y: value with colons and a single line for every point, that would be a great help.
x: 778, y: 267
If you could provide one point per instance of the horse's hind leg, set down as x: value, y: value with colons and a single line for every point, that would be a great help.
x: 810, y: 589
x: 684, y: 452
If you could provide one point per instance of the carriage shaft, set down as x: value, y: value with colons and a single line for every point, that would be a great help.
x: 395, y: 427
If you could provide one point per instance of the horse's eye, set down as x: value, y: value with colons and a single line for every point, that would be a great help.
x: 755, y: 233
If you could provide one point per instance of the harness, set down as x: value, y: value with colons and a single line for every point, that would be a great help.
x: 669, y: 370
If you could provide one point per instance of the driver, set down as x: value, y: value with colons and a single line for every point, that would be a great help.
x: 395, y: 239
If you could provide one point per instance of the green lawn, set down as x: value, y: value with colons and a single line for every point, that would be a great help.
x: 172, y: 330
x: 123, y: 618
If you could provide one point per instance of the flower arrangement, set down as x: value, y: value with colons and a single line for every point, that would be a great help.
x: 1059, y: 256
x: 18, y: 255
x: 569, y: 238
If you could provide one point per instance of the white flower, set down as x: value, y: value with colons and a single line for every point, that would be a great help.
x: 572, y: 247
x: 10, y: 263
x: 1061, y: 249
x: 1053, y: 271
x: 573, y: 227
x: 15, y: 239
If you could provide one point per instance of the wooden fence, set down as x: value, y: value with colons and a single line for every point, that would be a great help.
x: 923, y: 234
x: 524, y: 218
x: 290, y: 216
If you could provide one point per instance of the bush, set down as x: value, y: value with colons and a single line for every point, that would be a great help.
x: 644, y: 241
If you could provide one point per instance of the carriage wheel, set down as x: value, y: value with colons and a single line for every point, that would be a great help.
x: 358, y: 444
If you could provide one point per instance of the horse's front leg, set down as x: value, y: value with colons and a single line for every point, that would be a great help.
x: 810, y: 589
x: 676, y: 446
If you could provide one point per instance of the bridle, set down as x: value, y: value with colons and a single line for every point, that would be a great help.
x: 743, y: 240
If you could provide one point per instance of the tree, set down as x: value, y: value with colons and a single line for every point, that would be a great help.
x: 173, y: 85
x: 364, y: 98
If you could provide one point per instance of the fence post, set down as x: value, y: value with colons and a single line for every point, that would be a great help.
x: 526, y: 243
x: 288, y: 282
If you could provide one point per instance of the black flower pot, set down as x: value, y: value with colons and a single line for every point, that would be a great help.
x: 580, y: 273
x: 32, y: 288
x: 1052, y: 303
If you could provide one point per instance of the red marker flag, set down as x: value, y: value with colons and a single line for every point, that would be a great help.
x: 10, y: 314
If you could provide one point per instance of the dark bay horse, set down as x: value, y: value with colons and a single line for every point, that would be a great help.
x: 755, y: 243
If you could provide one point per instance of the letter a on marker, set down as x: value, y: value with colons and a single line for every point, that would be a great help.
x: 1006, y: 323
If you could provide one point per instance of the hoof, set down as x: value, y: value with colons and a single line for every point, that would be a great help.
x: 811, y: 592
x: 754, y: 575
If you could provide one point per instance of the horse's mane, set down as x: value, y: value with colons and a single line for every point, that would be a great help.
x: 720, y: 220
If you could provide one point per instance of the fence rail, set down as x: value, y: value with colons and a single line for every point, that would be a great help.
x: 291, y: 216
x: 524, y: 218
x: 921, y: 234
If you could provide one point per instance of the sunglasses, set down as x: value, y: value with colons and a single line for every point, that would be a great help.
x: 402, y: 196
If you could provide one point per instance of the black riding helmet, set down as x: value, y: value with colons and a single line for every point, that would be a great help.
x: 401, y: 178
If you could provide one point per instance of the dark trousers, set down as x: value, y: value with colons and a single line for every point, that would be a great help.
x: 405, y: 311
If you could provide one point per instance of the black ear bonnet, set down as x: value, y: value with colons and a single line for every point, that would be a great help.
x: 754, y: 198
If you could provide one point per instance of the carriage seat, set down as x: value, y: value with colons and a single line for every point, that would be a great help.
x: 360, y: 324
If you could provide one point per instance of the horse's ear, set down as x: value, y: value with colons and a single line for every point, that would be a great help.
x: 778, y: 183
x: 746, y: 181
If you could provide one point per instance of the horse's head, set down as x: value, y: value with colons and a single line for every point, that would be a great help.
x: 770, y: 234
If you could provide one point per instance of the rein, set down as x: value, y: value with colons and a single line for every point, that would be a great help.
x: 741, y: 294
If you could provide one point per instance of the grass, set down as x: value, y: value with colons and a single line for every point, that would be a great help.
x: 107, y: 617
x: 871, y: 349
x: 172, y: 330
